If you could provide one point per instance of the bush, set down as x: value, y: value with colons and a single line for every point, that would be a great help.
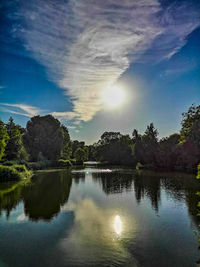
x: 9, y: 174
x: 64, y: 163
x: 139, y: 166
x: 73, y: 161
x: 40, y: 165
x: 14, y: 162
x: 198, y: 173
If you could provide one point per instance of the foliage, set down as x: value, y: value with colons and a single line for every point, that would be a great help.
x: 44, y: 134
x: 198, y: 173
x: 48, y: 142
x: 80, y: 155
x: 191, y: 125
x: 3, y: 139
x: 13, y: 173
x: 67, y: 146
x: 168, y: 152
x: 76, y: 144
x: 64, y: 163
x: 114, y: 148
x: 39, y: 165
x: 150, y: 144
x: 15, y: 148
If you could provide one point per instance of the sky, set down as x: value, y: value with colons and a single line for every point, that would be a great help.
x: 60, y: 56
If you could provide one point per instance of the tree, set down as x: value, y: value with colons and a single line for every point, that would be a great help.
x: 137, y: 147
x: 189, y: 149
x: 168, y: 152
x: 80, y: 155
x: 3, y: 139
x: 67, y: 147
x: 114, y: 148
x: 15, y: 148
x: 75, y: 144
x: 44, y: 134
x: 191, y: 125
x: 150, y: 144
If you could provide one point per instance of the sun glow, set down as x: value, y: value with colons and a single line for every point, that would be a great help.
x: 118, y: 224
x: 114, y: 97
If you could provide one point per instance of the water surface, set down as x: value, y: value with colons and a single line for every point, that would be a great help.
x: 99, y: 217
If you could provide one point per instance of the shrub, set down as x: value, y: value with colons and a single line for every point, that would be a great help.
x: 198, y: 173
x: 9, y: 174
x: 64, y: 163
x: 40, y: 165
x: 73, y: 161
x: 14, y: 162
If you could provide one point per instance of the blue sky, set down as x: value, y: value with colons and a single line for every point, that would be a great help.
x: 58, y: 56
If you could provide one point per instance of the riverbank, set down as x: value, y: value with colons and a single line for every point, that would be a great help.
x: 15, y: 172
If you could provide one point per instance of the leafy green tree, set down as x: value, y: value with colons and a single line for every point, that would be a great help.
x: 15, y: 148
x: 189, y: 149
x: 137, y: 147
x: 75, y: 144
x: 191, y: 125
x: 3, y: 139
x: 44, y: 134
x: 114, y: 148
x: 80, y: 155
x: 168, y: 152
x: 150, y: 144
x: 92, y: 152
x: 67, y: 147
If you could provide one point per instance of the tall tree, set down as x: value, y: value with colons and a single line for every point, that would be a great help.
x: 80, y: 155
x: 15, y: 148
x: 67, y: 147
x: 189, y: 149
x: 3, y: 139
x: 168, y: 152
x: 75, y: 144
x: 150, y: 144
x: 44, y: 134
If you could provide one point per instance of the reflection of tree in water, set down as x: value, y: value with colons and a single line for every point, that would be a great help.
x: 47, y: 193
x: 10, y: 196
x: 114, y: 182
x: 184, y: 187
x: 146, y: 185
x: 79, y: 177
x: 181, y: 187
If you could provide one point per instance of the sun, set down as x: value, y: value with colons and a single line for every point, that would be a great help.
x: 114, y: 97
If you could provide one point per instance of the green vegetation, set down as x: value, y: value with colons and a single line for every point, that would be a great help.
x: 64, y: 163
x: 13, y: 173
x: 198, y: 173
x: 14, y: 148
x: 44, y: 136
x: 179, y: 152
x: 3, y: 139
x: 80, y: 155
x: 46, y: 143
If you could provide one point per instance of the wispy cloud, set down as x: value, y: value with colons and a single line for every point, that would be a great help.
x: 20, y: 109
x: 179, y: 68
x: 87, y: 45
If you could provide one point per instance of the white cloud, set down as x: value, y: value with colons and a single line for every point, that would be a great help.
x: 71, y: 127
x: 21, y: 109
x: 67, y: 115
x: 87, y: 45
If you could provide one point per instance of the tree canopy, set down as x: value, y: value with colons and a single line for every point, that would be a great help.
x: 46, y: 135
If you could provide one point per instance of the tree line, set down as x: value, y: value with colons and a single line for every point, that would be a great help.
x: 179, y: 151
x: 45, y: 138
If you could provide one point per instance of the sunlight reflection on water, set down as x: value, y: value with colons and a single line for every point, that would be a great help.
x: 118, y: 224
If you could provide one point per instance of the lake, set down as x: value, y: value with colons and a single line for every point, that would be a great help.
x: 99, y: 216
